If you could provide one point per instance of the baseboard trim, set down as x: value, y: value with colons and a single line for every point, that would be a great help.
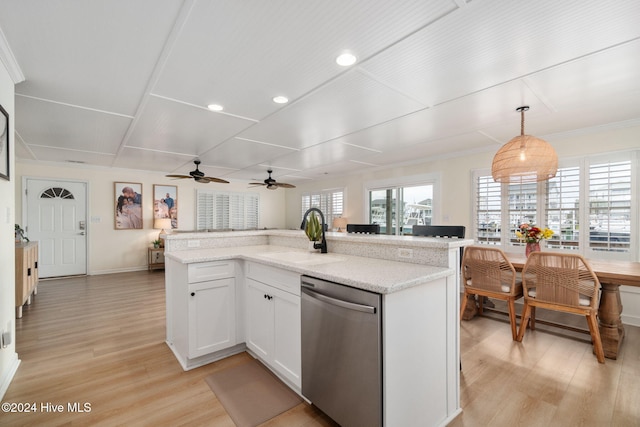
x: 8, y: 376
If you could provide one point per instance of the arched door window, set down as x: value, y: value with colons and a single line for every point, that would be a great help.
x: 56, y: 192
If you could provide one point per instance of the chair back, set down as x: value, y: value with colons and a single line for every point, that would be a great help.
x: 363, y: 228
x: 564, y: 279
x: 487, y: 268
x: 439, y: 231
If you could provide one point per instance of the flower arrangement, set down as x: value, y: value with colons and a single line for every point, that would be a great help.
x: 531, y: 234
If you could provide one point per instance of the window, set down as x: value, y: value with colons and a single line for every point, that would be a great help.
x: 398, y: 205
x: 588, y: 205
x: 330, y: 202
x: 56, y: 193
x: 226, y: 210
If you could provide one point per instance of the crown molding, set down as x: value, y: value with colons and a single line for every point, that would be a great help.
x: 9, y: 61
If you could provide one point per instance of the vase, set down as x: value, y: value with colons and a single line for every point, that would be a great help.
x: 532, y: 247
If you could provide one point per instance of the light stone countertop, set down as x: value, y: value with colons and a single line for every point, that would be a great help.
x: 376, y: 275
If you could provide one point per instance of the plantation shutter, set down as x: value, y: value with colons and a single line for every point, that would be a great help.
x: 488, y: 210
x: 226, y: 210
x: 610, y: 206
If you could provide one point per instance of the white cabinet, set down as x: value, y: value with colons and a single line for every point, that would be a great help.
x: 211, y: 316
x: 201, y: 311
x: 273, y: 319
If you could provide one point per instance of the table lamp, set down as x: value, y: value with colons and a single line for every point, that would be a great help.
x: 340, y: 224
x: 163, y: 224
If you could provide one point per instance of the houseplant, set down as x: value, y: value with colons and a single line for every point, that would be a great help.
x: 531, y: 235
x: 157, y: 243
x: 19, y: 234
x: 313, y: 230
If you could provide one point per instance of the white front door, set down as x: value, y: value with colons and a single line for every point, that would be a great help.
x: 56, y: 218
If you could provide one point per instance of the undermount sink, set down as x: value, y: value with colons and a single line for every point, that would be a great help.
x: 306, y: 258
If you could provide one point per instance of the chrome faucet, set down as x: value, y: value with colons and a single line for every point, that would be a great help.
x: 323, y: 243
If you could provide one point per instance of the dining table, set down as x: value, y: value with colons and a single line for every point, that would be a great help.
x: 611, y: 275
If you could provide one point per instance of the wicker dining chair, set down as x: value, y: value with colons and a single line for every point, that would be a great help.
x: 488, y: 273
x: 562, y: 282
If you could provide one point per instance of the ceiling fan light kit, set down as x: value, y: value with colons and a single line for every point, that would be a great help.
x: 198, y: 176
x: 524, y: 159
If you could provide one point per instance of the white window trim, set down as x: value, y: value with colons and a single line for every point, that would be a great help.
x: 433, y: 179
x: 583, y: 163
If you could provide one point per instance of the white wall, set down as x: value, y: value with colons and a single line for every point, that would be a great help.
x: 8, y: 356
x: 112, y: 250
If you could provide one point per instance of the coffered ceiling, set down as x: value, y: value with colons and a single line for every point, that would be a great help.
x: 126, y: 84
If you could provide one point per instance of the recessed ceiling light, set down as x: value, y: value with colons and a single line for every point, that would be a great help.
x: 215, y: 107
x: 280, y: 99
x: 346, y: 59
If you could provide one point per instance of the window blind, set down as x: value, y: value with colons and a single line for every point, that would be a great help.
x: 226, y: 210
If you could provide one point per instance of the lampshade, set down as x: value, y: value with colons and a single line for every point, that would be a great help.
x: 162, y: 223
x: 524, y: 159
x: 340, y: 223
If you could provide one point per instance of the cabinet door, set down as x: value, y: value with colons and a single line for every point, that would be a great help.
x: 259, y: 319
x: 286, y: 347
x: 212, y: 324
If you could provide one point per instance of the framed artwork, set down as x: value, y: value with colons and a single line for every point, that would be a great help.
x: 4, y: 144
x: 165, y: 203
x: 128, y: 205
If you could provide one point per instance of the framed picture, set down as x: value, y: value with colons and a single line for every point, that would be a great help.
x: 128, y: 206
x: 165, y: 203
x: 4, y: 144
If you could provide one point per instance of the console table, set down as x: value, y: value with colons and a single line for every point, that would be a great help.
x: 26, y: 274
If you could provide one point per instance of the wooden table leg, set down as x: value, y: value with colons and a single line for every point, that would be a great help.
x: 609, y: 321
x: 471, y: 309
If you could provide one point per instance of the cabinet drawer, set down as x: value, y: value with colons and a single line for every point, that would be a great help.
x: 285, y: 280
x: 203, y: 271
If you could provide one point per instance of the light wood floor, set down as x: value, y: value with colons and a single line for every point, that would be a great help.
x: 100, y: 340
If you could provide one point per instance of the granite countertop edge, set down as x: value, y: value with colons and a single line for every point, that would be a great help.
x: 375, y: 275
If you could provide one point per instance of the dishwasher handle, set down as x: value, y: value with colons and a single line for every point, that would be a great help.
x: 338, y: 302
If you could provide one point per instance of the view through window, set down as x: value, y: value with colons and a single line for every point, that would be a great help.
x: 398, y: 209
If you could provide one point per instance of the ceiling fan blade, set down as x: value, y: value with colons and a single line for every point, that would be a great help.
x: 218, y: 180
x: 257, y: 183
x: 284, y: 185
x: 178, y: 176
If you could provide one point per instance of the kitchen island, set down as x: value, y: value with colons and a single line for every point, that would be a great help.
x: 218, y: 285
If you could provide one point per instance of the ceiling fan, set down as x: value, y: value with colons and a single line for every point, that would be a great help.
x: 272, y: 184
x: 199, y: 176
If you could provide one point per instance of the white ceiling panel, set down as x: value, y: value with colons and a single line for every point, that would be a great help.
x: 347, y: 104
x: 58, y: 125
x: 97, y: 54
x: 126, y: 84
x: 322, y: 154
x: 135, y: 158
x: 175, y: 127
x: 68, y: 157
x: 433, y: 150
x: 488, y: 43
x: 242, y: 54
x: 238, y: 153
x: 481, y: 109
x: 610, y: 74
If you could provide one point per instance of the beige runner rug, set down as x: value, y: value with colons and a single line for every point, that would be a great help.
x: 251, y: 394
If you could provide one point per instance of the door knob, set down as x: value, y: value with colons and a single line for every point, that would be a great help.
x: 81, y: 233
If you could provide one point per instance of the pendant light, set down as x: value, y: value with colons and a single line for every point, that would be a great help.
x: 524, y: 159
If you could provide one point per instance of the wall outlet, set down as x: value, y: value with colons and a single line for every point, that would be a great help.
x: 405, y: 253
x: 193, y: 243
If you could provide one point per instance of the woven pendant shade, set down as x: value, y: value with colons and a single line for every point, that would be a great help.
x: 524, y: 159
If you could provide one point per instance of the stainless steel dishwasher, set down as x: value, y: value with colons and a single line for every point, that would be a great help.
x: 342, y: 351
